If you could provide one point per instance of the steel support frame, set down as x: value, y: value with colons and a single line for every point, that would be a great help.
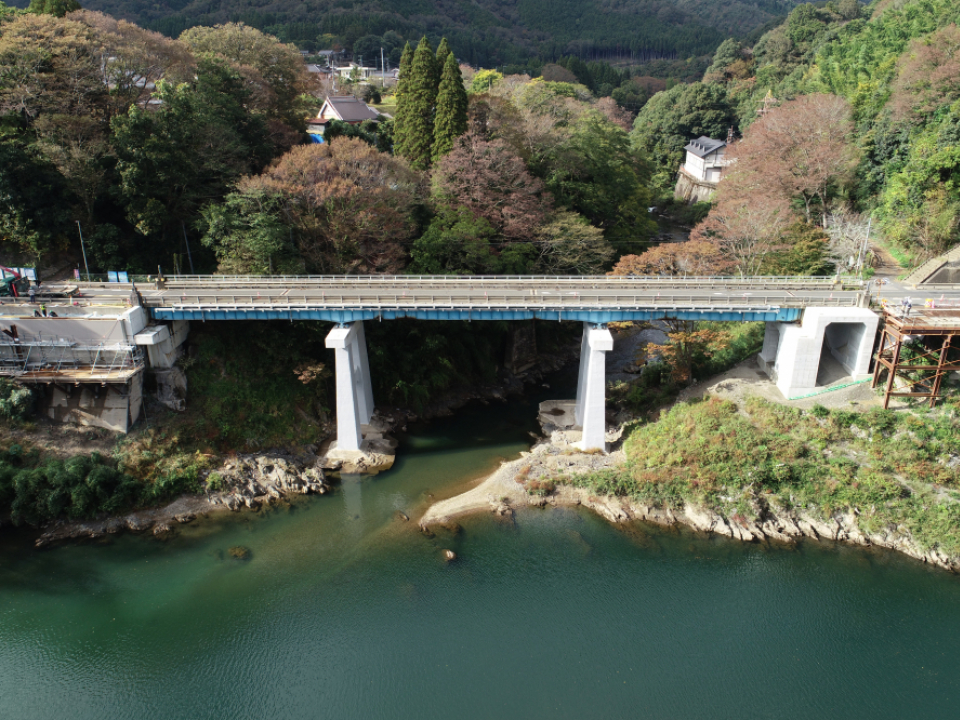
x: 892, y: 364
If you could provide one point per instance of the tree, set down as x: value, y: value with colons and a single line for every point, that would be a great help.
x: 729, y: 52
x: 451, y: 119
x: 134, y: 60
x: 346, y: 207
x: 688, y: 342
x: 557, y: 73
x: 802, y: 148
x: 400, y: 117
x: 419, y: 99
x: 594, y: 171
x: 928, y: 75
x: 746, y: 221
x: 50, y: 65
x: 175, y: 159
x: 457, y: 242
x: 569, y: 245
x: 57, y: 8
x: 484, y: 80
x: 249, y: 236
x: 443, y: 52
x: 281, y: 66
x: 687, y: 259
x: 492, y: 181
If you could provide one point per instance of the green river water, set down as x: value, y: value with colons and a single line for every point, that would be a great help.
x: 345, y: 611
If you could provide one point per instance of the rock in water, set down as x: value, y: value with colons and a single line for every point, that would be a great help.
x: 449, y: 555
x: 402, y: 516
x: 239, y: 552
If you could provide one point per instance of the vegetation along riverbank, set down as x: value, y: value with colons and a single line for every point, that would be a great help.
x: 757, y: 470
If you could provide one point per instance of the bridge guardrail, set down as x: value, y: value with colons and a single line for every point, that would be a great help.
x: 436, y: 301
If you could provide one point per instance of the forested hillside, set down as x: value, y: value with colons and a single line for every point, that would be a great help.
x: 485, y: 32
x: 847, y: 114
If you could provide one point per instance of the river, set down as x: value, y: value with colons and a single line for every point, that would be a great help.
x: 343, y: 610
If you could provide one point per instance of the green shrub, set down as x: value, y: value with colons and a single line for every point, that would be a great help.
x: 819, y: 411
x: 16, y: 401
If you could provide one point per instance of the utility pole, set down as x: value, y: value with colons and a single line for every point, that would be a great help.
x: 383, y: 70
x: 189, y: 256
x: 84, y: 251
x: 863, y: 248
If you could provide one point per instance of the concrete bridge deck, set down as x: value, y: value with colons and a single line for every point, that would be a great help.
x: 597, y: 299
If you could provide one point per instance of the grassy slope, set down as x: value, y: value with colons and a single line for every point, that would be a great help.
x: 889, y: 468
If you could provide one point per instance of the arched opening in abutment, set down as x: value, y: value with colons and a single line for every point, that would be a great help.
x: 840, y: 352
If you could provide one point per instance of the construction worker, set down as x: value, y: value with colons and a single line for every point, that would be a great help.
x: 906, y: 305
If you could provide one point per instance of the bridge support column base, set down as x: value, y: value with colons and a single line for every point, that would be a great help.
x: 590, y: 410
x: 354, y: 393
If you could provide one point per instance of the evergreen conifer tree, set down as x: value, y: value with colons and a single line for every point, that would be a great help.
x: 420, y: 97
x: 451, y: 117
x: 400, y: 115
x: 443, y: 49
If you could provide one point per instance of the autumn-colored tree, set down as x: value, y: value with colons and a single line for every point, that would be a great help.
x: 134, y: 60
x: 620, y: 117
x: 797, y: 152
x: 50, y: 65
x: 746, y: 221
x: 928, y: 75
x: 801, y: 150
x: 688, y: 342
x: 347, y: 207
x: 493, y: 182
x: 686, y: 346
x: 451, y: 118
x: 687, y: 259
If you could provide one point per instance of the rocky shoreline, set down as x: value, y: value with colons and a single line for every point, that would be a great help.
x: 251, y: 481
x: 247, y: 481
x: 529, y: 482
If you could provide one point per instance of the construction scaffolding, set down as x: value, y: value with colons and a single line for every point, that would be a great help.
x: 922, y: 373
x: 47, y: 361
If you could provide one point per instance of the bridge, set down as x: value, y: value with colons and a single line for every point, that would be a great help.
x: 803, y: 316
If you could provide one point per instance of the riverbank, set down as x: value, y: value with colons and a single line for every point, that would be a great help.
x: 211, y: 482
x: 756, y: 471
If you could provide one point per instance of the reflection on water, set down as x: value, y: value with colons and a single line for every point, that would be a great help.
x: 345, y: 610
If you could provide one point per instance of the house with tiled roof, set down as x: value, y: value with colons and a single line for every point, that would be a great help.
x: 702, y: 168
x: 344, y: 108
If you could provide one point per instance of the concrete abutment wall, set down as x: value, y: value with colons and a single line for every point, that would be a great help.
x: 792, y: 354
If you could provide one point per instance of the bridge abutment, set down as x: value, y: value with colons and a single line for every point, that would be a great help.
x: 798, y: 358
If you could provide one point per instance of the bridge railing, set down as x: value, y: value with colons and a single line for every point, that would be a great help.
x: 532, y: 301
x: 483, y: 279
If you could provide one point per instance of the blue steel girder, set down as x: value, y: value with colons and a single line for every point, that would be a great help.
x: 598, y: 315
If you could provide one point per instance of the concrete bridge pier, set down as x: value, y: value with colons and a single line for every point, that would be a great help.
x: 354, y: 392
x: 590, y: 410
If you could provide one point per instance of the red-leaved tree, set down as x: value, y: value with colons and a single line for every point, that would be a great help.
x: 492, y: 181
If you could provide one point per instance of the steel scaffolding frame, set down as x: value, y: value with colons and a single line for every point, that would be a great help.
x: 897, y: 331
